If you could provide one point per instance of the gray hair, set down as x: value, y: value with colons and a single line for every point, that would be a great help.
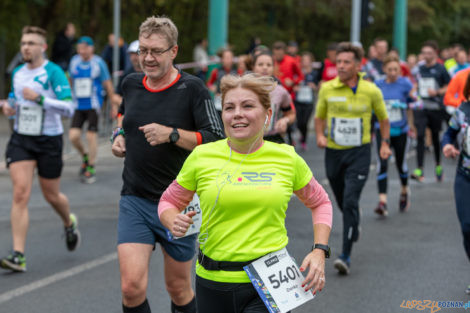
x: 159, y: 25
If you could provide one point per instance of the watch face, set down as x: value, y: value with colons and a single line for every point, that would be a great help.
x: 174, y: 136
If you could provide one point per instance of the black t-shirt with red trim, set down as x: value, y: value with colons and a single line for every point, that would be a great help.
x: 185, y: 104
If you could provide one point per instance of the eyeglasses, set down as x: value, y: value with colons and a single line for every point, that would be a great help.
x: 153, y: 53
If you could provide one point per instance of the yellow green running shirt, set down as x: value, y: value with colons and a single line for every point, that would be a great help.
x: 249, y: 218
x: 348, y: 114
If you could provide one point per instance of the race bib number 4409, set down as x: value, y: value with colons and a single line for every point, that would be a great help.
x: 278, y: 281
x: 30, y: 120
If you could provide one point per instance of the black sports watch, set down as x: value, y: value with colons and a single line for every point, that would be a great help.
x: 325, y: 248
x: 174, y: 136
x: 387, y: 141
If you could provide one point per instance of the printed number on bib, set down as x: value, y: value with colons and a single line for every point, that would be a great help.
x: 305, y: 94
x: 194, y: 205
x: 30, y: 120
x: 347, y: 131
x: 83, y: 87
x: 424, y: 84
x: 278, y: 281
x: 394, y: 111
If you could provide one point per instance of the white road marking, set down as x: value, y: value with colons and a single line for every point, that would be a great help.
x: 7, y: 296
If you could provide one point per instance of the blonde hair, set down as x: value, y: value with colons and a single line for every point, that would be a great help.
x: 260, y: 85
x: 162, y: 26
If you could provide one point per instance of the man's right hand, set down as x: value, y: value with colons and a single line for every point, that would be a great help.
x: 322, y: 141
x: 7, y: 109
x: 119, y: 146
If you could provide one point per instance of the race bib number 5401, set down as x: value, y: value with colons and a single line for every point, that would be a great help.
x: 278, y: 281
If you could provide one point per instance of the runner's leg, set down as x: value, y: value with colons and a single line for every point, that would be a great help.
x: 51, y: 191
x: 462, y: 201
x: 75, y: 136
x: 134, y: 259
x: 92, y: 139
x: 178, y: 284
x: 21, y: 174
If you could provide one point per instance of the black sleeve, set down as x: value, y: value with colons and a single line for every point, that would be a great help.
x: 445, y: 77
x: 122, y: 86
x: 205, y: 116
x: 122, y: 108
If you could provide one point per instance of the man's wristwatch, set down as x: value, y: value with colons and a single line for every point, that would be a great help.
x: 325, y: 248
x: 39, y: 100
x: 174, y: 136
x: 387, y: 141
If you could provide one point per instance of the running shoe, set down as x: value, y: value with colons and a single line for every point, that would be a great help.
x: 15, y: 262
x: 303, y: 145
x: 381, y: 209
x: 418, y: 175
x: 72, y: 234
x: 404, y: 204
x: 89, y: 177
x: 84, y: 165
x: 467, y: 291
x: 439, y: 173
x: 342, y: 264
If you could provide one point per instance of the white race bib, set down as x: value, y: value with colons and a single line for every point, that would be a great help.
x: 304, y: 94
x: 30, y: 120
x: 278, y: 281
x: 194, y: 228
x: 395, y: 113
x: 83, y: 87
x: 425, y: 83
x: 218, y: 102
x: 347, y: 131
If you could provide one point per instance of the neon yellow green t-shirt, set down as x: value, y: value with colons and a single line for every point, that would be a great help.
x: 348, y: 114
x: 248, y: 220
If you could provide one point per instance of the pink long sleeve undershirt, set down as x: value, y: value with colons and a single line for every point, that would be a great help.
x: 312, y: 196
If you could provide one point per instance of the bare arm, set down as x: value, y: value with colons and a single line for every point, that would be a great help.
x: 320, y: 125
x: 385, y: 151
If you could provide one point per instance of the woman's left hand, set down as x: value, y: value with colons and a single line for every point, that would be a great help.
x: 315, y: 278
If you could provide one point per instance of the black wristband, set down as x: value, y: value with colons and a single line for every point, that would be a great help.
x: 325, y: 248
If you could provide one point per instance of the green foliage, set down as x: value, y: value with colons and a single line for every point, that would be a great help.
x: 312, y: 23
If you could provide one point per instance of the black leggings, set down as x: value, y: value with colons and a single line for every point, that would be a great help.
x: 216, y: 297
x: 303, y: 113
x: 461, y: 190
x: 347, y: 172
x: 400, y: 146
x: 432, y: 119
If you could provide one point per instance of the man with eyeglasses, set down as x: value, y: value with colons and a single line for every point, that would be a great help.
x: 42, y: 95
x: 166, y: 114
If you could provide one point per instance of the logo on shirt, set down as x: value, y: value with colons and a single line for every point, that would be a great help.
x: 42, y: 79
x: 258, y: 177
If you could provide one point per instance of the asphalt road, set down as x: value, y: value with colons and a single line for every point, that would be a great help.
x: 417, y: 255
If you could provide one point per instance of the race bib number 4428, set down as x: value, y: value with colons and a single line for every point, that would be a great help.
x: 278, y: 281
x: 347, y: 131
